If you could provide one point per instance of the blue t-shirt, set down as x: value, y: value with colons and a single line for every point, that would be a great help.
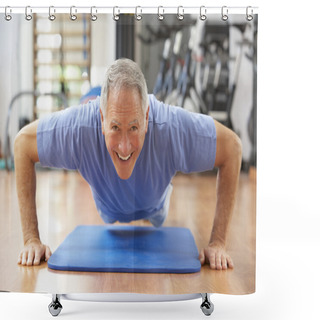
x: 176, y: 140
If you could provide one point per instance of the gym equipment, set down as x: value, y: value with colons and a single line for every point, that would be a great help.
x: 157, y: 90
x: 127, y: 249
x: 188, y: 96
x: 7, y: 141
x: 169, y: 81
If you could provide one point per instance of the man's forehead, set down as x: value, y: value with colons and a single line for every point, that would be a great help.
x: 128, y: 111
x: 114, y: 121
x: 124, y: 107
x: 117, y: 93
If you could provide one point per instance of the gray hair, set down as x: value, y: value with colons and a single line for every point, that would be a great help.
x: 124, y: 73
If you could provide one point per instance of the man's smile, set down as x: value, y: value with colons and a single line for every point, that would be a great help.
x: 124, y: 158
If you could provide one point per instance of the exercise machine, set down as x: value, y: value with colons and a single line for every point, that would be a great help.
x: 7, y: 140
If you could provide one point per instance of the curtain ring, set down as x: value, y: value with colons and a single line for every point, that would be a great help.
x: 203, y: 13
x: 73, y: 10
x: 180, y: 13
x: 116, y: 16
x: 249, y: 16
x: 160, y: 15
x: 137, y: 15
x: 52, y: 17
x: 224, y: 13
x: 28, y: 14
x: 7, y: 16
x: 93, y: 16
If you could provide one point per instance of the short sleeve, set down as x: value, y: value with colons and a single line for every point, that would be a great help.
x: 57, y: 140
x: 193, y: 141
x: 61, y: 135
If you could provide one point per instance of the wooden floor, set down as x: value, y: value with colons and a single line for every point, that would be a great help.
x: 64, y: 201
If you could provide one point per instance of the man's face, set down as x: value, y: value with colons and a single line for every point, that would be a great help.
x: 124, y: 129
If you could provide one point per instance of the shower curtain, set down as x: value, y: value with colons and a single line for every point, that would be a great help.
x: 202, y: 61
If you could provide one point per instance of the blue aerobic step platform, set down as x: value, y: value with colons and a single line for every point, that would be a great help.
x: 127, y: 249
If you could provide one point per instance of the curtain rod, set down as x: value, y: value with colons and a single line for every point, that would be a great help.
x: 203, y: 11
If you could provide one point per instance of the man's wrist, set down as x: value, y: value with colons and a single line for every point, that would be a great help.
x: 33, y: 239
x: 217, y: 240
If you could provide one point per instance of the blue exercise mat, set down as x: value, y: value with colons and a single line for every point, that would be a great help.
x: 127, y: 249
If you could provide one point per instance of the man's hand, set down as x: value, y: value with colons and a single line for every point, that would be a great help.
x: 216, y: 256
x: 33, y: 253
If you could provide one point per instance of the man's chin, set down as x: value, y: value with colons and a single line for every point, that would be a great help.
x: 124, y: 169
x: 124, y: 175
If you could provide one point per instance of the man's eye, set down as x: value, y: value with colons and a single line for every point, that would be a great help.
x: 115, y: 128
x: 134, y: 128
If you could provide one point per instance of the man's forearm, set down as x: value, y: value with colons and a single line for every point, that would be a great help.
x: 227, y: 183
x: 26, y: 189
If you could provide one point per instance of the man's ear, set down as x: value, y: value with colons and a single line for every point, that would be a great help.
x: 147, y: 118
x: 102, y: 122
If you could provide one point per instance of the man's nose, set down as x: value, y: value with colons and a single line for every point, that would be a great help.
x: 124, y: 145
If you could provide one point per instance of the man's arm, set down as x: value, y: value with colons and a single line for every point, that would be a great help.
x: 228, y: 160
x: 25, y: 157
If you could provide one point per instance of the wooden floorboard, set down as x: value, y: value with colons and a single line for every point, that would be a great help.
x: 64, y: 201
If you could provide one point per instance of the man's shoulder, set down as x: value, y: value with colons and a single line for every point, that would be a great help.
x: 159, y: 111
x: 89, y: 113
x: 82, y: 115
x: 162, y: 113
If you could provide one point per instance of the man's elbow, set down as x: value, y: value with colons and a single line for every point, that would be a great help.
x: 237, y: 147
x: 25, y: 145
x: 232, y: 152
x: 19, y: 148
x: 18, y: 142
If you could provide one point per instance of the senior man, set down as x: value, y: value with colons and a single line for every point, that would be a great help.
x: 128, y: 146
